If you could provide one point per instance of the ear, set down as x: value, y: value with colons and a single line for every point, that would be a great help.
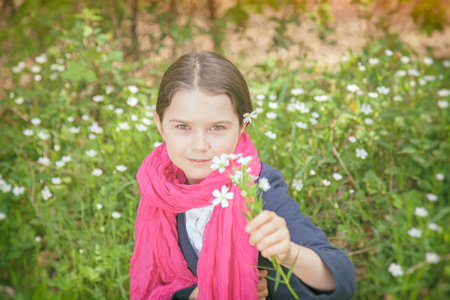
x: 242, y: 129
x: 158, y: 124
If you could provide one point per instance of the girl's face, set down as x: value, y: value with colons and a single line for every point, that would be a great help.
x: 196, y: 127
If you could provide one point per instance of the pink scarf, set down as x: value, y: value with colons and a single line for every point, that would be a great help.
x: 226, y: 266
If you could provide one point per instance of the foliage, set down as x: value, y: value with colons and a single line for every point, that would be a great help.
x: 95, y: 129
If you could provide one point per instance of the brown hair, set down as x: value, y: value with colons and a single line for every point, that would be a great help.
x: 209, y: 72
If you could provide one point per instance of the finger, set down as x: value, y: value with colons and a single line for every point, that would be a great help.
x: 274, y: 238
x: 280, y: 250
x: 263, y: 273
x: 259, y: 220
x: 277, y: 225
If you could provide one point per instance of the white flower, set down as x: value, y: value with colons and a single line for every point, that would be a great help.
x: 2, y: 215
x: 98, y: 98
x: 271, y: 115
x: 321, y: 98
x: 301, y: 125
x: 432, y: 257
x: 74, y: 130
x: 431, y: 197
x: 353, y: 88
x: 337, y: 176
x: 157, y: 144
x: 110, y: 106
x: 37, y: 238
x: 297, y: 184
x: 36, y: 69
x: 121, y: 168
x: 361, y: 68
x: 116, y: 214
x: 36, y: 121
x: 85, y: 117
x: 237, y: 177
x: 132, y: 101
x: 43, y: 135
x: 123, y: 126
x: 95, y: 128
x: 397, y: 98
x: 297, y: 91
x: 374, y: 61
x: 446, y: 63
x: 388, y: 52
x: 70, y: 119
x: 56, y: 180
x: 440, y: 176
x: 133, y: 89
x: 53, y: 76
x: 361, y: 153
x: 109, y: 89
x: 248, y: 117
x: 368, y: 121
x: 16, y: 69
x: 134, y: 118
x: 97, y: 172
x: 18, y: 190
x: 28, y: 132
x: 413, y: 72
x: 433, y: 226
x: 259, y: 110
x: 421, y: 212
x: 444, y: 92
x: 60, y: 163
x: 222, y: 196
x: 326, y: 182
x: 271, y: 135
x: 38, y: 77
x: 345, y: 58
x: 412, y: 83
x: 415, y: 233
x: 141, y: 127
x: 352, y: 139
x: 351, y: 191
x: 366, y: 109
x: 383, y: 90
x: 91, y: 153
x: 81, y: 251
x: 395, y: 269
x: 260, y: 97
x: 372, y: 95
x: 44, y: 161
x: 313, y: 121
x: 91, y: 136
x: 264, y: 184
x: 422, y: 82
x: 405, y: 59
x: 99, y: 206
x: 46, y: 193
x: 429, y: 78
x: 272, y: 97
x: 19, y: 100
x: 273, y: 105
x: 119, y: 111
x: 428, y: 60
x: 5, y: 187
x: 244, y: 160
x: 146, y: 121
x: 41, y: 59
x: 220, y: 163
x: 442, y: 104
x: 400, y: 73
x: 301, y: 107
x: 312, y: 172
x: 315, y: 115
x: 66, y: 158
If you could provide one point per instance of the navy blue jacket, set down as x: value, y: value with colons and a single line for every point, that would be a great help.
x: 302, y: 232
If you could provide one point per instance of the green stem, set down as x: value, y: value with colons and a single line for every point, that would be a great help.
x: 277, y: 266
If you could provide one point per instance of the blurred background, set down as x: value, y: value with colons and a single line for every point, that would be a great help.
x: 352, y: 102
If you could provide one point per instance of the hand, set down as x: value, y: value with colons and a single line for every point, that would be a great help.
x: 269, y: 233
x: 193, y: 295
x: 262, y: 285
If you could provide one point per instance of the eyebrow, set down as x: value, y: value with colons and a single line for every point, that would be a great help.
x: 215, y: 122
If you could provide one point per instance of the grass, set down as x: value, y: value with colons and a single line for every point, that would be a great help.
x: 78, y: 242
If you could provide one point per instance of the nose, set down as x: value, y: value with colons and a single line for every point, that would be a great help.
x: 200, y: 142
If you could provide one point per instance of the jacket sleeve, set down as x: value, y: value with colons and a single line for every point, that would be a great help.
x: 304, y: 233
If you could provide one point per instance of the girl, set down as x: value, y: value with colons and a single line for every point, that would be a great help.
x: 188, y: 248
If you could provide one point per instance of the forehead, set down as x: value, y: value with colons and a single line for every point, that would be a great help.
x: 196, y: 104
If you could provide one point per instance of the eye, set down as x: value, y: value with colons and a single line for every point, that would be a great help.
x: 183, y: 126
x: 217, y: 127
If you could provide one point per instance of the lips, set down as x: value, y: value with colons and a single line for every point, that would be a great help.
x: 199, y: 161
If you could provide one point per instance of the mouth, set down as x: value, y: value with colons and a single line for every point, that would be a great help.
x: 199, y: 162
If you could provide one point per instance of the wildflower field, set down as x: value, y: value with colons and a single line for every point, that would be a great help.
x: 364, y: 149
